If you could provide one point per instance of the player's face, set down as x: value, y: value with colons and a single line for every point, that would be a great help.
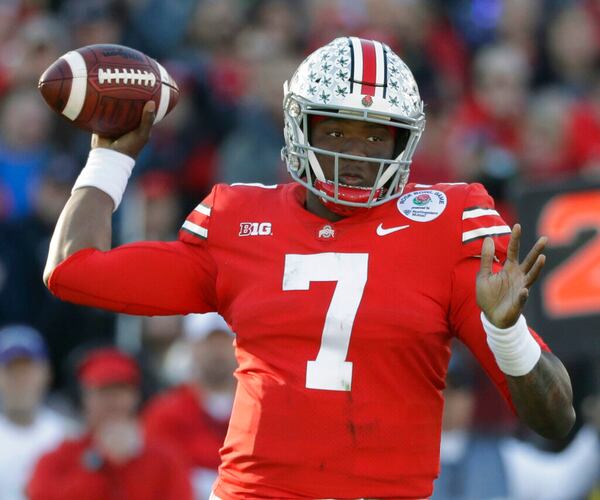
x: 356, y: 138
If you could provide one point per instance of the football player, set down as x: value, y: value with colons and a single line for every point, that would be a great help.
x: 344, y: 287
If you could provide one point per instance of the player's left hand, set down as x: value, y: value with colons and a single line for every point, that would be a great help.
x: 502, y: 295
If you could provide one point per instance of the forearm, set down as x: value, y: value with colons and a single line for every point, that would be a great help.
x: 544, y: 398
x: 85, y: 222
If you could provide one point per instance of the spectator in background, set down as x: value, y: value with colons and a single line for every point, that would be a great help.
x: 274, y: 30
x: 161, y: 207
x: 111, y: 459
x: 186, y: 143
x: 27, y: 427
x: 193, y: 417
x: 545, y: 140
x: 519, y: 25
x: 486, y: 135
x: 158, y: 336
x: 477, y: 21
x: 24, y: 241
x: 23, y: 246
x: 573, y: 49
x: 257, y: 132
x: 38, y: 41
x: 479, y: 465
x: 158, y: 27
x: 583, y: 132
x: 214, y: 26
x: 95, y: 21
x: 24, y: 150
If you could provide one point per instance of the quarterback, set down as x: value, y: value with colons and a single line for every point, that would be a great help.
x: 344, y: 287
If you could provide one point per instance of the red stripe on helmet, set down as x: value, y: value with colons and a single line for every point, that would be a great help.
x: 369, y: 76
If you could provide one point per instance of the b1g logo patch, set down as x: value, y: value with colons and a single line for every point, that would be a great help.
x: 422, y: 206
x: 255, y: 229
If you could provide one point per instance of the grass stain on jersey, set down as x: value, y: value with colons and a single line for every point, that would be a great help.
x: 352, y: 430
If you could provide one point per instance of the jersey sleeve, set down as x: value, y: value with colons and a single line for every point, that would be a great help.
x: 479, y: 220
x: 194, y: 230
x: 145, y: 278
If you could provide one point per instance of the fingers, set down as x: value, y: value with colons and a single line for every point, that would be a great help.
x: 534, y: 272
x: 512, y: 253
x: 534, y: 261
x: 487, y: 257
x: 143, y: 130
x: 100, y: 142
x: 533, y: 254
x: 148, y: 114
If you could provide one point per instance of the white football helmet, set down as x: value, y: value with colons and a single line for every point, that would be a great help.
x: 359, y: 80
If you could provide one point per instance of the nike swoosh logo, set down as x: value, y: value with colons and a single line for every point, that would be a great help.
x: 381, y: 231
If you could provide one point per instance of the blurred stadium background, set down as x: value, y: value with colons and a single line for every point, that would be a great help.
x: 512, y: 89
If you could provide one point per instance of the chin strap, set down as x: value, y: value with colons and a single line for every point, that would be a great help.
x: 345, y: 193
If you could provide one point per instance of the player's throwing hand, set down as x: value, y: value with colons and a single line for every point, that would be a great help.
x: 132, y: 142
x: 502, y: 295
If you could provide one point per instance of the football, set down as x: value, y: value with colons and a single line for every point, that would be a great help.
x: 103, y: 88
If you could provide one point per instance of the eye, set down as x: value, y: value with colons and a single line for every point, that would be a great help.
x: 374, y: 138
x: 335, y: 133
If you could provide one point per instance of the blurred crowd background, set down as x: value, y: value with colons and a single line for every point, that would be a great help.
x: 512, y: 93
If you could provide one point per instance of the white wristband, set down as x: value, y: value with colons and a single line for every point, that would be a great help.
x: 514, y: 348
x: 107, y: 170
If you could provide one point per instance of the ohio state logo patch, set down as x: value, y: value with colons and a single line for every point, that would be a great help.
x: 327, y: 232
x: 422, y: 206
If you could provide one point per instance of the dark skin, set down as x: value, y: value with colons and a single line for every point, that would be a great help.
x: 543, y: 397
x: 350, y: 137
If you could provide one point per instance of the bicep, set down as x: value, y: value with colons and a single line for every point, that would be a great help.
x: 144, y: 278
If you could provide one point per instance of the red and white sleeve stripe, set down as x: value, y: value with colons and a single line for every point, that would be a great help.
x: 480, y: 222
x: 196, y: 223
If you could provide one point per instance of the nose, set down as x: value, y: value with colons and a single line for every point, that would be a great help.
x: 354, y: 146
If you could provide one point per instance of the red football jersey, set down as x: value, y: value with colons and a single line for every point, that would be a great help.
x: 342, y: 329
x: 343, y: 334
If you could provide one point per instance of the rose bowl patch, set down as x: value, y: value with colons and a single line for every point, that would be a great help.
x: 422, y: 206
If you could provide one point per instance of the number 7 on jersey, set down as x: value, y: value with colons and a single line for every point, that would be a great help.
x: 330, y: 370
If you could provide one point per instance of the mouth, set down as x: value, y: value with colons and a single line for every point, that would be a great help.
x: 352, y: 179
x: 352, y: 176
